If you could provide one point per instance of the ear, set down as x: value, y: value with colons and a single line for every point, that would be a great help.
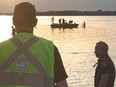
x: 14, y: 22
x: 35, y: 22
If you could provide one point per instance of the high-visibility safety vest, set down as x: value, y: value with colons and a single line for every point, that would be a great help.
x: 30, y: 65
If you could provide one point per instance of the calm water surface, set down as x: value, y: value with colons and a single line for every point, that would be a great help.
x: 75, y: 45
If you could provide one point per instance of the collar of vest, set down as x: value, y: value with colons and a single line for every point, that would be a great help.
x: 24, y: 36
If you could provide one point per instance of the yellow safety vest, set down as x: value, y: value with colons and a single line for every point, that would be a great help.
x: 17, y: 70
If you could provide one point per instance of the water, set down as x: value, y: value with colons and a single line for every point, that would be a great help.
x: 75, y: 45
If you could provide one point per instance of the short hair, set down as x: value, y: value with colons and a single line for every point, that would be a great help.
x: 24, y: 13
x: 102, y: 45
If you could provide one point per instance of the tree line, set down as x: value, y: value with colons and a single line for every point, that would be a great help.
x: 76, y: 13
x: 73, y: 13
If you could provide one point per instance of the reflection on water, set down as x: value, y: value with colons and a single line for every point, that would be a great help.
x: 75, y: 45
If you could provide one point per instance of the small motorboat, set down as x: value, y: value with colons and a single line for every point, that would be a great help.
x: 66, y: 25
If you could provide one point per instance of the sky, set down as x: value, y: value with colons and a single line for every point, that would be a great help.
x: 60, y: 5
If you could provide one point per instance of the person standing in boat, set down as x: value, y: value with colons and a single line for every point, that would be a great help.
x: 52, y: 20
x: 63, y: 21
x: 60, y: 21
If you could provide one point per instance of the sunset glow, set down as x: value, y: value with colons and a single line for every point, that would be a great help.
x: 57, y: 5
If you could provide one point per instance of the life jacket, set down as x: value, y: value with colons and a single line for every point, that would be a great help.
x: 23, y: 77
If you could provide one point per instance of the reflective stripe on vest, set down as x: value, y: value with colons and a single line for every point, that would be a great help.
x: 22, y: 78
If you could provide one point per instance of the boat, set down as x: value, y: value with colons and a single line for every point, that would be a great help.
x: 66, y: 25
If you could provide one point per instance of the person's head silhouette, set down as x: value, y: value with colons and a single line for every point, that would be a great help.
x: 24, y: 18
x: 101, y: 49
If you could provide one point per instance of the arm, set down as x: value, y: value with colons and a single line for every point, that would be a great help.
x: 61, y: 84
x: 103, y: 80
x: 59, y: 70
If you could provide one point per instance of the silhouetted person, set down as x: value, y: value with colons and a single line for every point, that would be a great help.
x: 84, y: 24
x: 70, y: 22
x: 60, y: 21
x: 27, y: 60
x: 63, y: 21
x: 105, y: 70
x: 52, y: 20
x: 13, y: 31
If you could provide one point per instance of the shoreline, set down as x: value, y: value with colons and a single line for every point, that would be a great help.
x: 73, y: 13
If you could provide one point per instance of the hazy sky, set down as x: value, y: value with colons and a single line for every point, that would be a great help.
x: 52, y: 5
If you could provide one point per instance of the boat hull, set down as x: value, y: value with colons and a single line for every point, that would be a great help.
x: 64, y: 25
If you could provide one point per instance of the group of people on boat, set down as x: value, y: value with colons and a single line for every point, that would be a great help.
x: 61, y: 21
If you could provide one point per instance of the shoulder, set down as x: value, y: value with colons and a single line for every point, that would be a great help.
x: 5, y: 43
x: 104, y: 64
x: 44, y: 40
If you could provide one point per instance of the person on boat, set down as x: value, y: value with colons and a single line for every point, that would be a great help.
x: 27, y: 60
x: 60, y: 21
x: 63, y: 21
x: 105, y: 70
x: 71, y: 21
x: 52, y: 20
